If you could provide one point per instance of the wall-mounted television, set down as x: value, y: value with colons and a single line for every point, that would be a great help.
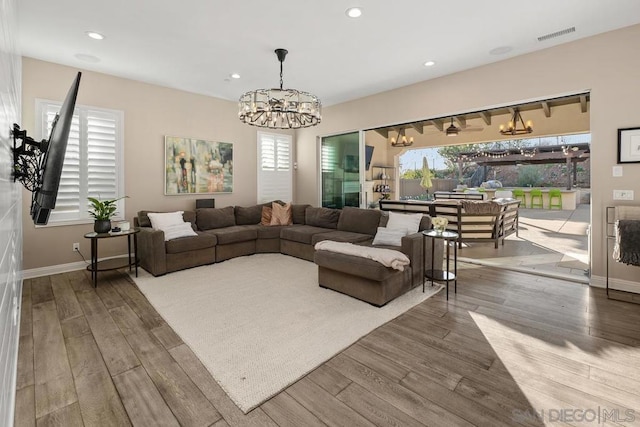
x: 368, y: 155
x: 38, y: 165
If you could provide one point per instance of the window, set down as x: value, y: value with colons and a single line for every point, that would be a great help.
x: 275, y: 171
x: 93, y: 164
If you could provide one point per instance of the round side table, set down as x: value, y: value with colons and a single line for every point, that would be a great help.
x: 439, y: 274
x: 113, y: 263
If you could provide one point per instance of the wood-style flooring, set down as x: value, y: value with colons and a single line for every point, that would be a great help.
x: 508, y: 349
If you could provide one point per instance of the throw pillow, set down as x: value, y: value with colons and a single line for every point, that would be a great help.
x: 160, y: 221
x: 281, y: 215
x: 178, y: 230
x: 409, y: 222
x: 389, y: 236
x: 266, y: 216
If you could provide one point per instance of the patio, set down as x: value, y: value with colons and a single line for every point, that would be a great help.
x: 550, y: 242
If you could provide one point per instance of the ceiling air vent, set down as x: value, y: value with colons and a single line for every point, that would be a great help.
x: 557, y: 34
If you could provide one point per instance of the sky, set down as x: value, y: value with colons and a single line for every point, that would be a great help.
x: 412, y: 159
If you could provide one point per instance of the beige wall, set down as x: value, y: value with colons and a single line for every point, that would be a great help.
x: 150, y: 113
x: 607, y: 65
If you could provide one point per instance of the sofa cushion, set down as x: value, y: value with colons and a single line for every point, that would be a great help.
x: 322, y: 217
x: 211, y: 218
x: 144, y: 221
x: 298, y: 213
x: 248, y: 215
x: 270, y: 232
x: 341, y: 236
x: 349, y: 264
x: 301, y: 233
x: 186, y: 244
x: 235, y: 234
x: 358, y: 220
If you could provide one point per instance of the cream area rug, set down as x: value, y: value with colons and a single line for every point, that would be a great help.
x: 259, y: 323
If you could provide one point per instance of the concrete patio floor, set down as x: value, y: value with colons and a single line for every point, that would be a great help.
x: 549, y: 242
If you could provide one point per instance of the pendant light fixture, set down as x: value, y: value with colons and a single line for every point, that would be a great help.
x: 402, y: 140
x: 452, y: 130
x: 517, y: 126
x: 280, y: 108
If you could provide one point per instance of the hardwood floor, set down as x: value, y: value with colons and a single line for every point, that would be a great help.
x: 507, y: 349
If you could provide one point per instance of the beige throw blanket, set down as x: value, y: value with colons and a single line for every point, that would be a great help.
x: 387, y: 257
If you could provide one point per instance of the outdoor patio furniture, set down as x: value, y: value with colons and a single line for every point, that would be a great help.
x: 536, y: 198
x: 518, y: 194
x: 555, y: 198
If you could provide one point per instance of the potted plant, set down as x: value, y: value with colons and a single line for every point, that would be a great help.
x: 102, y: 211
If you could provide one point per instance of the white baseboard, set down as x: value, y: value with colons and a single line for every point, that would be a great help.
x: 60, y: 268
x: 53, y: 269
x: 617, y: 284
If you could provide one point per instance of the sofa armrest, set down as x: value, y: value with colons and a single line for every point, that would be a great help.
x: 151, y: 251
x: 414, y: 247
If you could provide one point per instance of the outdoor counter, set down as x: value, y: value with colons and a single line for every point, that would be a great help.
x: 569, y: 197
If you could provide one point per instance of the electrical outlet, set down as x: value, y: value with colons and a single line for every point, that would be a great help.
x: 76, y: 247
x: 622, y: 194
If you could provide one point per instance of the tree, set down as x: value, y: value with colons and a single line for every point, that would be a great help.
x: 529, y: 176
x: 412, y: 174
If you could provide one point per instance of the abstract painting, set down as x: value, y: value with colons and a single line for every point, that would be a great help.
x: 196, y: 166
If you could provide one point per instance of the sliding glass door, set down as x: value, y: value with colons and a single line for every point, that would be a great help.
x: 340, y: 170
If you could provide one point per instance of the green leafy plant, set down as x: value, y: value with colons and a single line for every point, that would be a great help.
x: 102, y: 210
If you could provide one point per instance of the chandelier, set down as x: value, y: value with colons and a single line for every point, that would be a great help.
x: 512, y: 127
x: 402, y: 140
x: 280, y: 108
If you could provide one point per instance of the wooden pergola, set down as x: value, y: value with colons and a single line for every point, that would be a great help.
x: 570, y: 154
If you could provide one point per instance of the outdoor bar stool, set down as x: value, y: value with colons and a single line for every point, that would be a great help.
x: 536, y: 198
x: 518, y: 194
x: 555, y: 198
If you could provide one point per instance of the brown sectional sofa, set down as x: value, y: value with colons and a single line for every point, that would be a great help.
x: 225, y: 233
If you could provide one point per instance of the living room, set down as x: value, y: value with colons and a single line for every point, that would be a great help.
x: 605, y: 64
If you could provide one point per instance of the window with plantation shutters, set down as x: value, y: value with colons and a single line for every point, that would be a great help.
x: 93, y: 165
x: 275, y: 168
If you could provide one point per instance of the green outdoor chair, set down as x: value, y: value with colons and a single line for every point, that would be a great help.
x: 536, y: 198
x: 555, y: 199
x: 519, y: 195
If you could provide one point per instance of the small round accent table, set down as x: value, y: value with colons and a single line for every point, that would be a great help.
x: 113, y: 263
x: 439, y: 274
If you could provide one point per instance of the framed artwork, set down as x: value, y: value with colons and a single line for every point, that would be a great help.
x: 629, y: 145
x: 196, y: 166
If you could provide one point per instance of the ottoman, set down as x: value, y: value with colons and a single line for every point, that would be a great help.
x: 361, y: 278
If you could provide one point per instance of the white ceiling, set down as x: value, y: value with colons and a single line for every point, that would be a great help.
x: 194, y: 45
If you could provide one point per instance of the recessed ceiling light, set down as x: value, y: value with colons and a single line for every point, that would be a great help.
x: 430, y: 63
x: 94, y: 35
x: 501, y: 50
x: 234, y: 75
x: 86, y: 57
x: 354, y: 12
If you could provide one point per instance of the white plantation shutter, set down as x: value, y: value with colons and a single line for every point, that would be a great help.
x: 93, y: 164
x: 275, y: 168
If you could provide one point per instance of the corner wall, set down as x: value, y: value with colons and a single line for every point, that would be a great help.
x: 606, y: 65
x: 10, y: 218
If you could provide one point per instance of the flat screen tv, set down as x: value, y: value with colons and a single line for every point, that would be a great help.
x: 53, y: 149
x: 368, y: 154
